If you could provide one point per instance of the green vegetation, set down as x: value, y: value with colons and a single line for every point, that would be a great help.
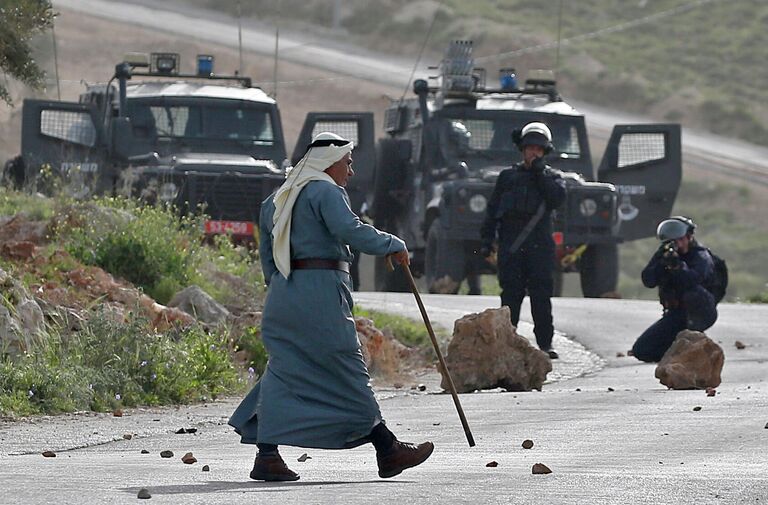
x: 33, y: 206
x: 20, y: 21
x: 150, y: 247
x: 408, y: 331
x: 110, y: 364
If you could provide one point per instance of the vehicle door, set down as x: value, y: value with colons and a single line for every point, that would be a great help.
x: 60, y: 141
x: 644, y: 162
x: 357, y: 127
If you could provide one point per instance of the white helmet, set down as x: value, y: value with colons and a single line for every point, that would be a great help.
x: 537, y: 134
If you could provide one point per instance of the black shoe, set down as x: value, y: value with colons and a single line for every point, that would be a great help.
x: 272, y: 468
x: 403, y: 455
x: 552, y: 354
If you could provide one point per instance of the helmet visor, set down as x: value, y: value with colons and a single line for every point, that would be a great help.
x: 671, y: 229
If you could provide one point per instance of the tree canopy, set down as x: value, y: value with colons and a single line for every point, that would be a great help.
x: 20, y: 20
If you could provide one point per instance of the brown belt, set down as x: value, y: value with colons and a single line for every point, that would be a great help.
x: 320, y: 264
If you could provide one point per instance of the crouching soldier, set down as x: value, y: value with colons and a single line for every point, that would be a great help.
x: 681, y: 268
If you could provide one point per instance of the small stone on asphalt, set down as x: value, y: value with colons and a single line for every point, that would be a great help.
x: 49, y: 454
x: 166, y: 454
x: 117, y: 412
x: 527, y: 444
x: 619, y: 354
x: 739, y: 344
x: 144, y: 451
x: 303, y: 458
x: 422, y: 387
x: 188, y: 459
x: 711, y: 391
x: 610, y: 390
x: 492, y: 464
x: 128, y: 436
x: 696, y: 408
x: 540, y: 469
x: 144, y: 494
x: 181, y: 431
x: 206, y: 468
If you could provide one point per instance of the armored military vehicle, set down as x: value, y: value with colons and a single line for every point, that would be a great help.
x: 446, y: 146
x: 198, y: 140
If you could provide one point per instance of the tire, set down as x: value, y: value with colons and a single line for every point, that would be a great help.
x: 384, y: 280
x: 599, y: 270
x: 443, y: 261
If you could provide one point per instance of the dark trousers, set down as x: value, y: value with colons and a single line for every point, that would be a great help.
x: 700, y: 313
x: 655, y: 341
x: 529, y: 270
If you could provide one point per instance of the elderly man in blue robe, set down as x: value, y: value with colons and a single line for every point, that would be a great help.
x: 315, y: 391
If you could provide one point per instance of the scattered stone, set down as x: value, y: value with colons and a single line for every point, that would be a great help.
x: 611, y: 390
x: 397, y: 385
x: 619, y: 354
x: 711, y: 391
x: 144, y: 451
x: 696, y: 408
x: 188, y: 459
x: 486, y: 352
x: 527, y: 444
x: 630, y: 352
x: 422, y: 387
x: 192, y: 430
x: 383, y: 353
x: 49, y: 454
x: 199, y: 304
x: 540, y: 469
x: 127, y: 436
x: 144, y: 494
x: 435, y: 424
x: 492, y: 464
x: 692, y: 362
x: 166, y: 454
x: 739, y: 344
x: 578, y: 390
x: 181, y: 431
x: 117, y: 412
x: 206, y: 468
x: 303, y: 458
x: 766, y: 426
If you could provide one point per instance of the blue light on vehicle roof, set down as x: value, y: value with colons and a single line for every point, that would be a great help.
x: 508, y: 79
x: 204, y: 65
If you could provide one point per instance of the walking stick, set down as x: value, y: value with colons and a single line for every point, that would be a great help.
x: 451, y: 386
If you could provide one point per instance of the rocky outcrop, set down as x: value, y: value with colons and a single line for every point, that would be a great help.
x: 200, y: 305
x: 383, y: 353
x: 693, y: 361
x: 486, y: 352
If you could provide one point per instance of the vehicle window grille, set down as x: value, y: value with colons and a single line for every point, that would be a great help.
x: 636, y: 148
x: 72, y: 126
x: 482, y: 133
x: 344, y: 129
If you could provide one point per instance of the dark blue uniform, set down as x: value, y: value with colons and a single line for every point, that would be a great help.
x: 687, y: 303
x: 515, y: 200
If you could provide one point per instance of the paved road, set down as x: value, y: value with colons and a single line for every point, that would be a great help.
x: 639, y: 443
x: 701, y: 150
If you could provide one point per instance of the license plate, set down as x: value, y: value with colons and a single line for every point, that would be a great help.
x: 229, y: 228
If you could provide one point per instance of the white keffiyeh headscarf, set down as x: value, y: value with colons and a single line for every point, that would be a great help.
x: 325, y: 150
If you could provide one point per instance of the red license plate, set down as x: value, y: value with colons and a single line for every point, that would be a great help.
x: 229, y: 228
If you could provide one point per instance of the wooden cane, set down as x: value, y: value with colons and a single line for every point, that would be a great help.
x: 451, y: 386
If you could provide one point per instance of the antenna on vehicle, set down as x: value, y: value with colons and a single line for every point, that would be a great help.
x: 559, y: 26
x: 56, y: 60
x: 277, y: 46
x: 239, y: 38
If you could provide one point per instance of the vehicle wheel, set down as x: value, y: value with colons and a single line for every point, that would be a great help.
x: 443, y: 261
x: 384, y: 280
x: 557, y: 277
x: 599, y: 270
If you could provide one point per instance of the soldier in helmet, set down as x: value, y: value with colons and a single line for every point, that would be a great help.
x: 519, y: 216
x: 680, y: 268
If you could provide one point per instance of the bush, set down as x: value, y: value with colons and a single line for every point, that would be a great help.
x: 111, y: 364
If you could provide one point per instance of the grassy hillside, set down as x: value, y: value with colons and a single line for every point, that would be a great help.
x: 699, y: 62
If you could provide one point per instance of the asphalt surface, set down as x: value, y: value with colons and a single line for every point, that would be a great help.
x: 611, y: 435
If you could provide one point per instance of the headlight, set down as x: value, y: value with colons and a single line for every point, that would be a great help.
x: 168, y: 192
x: 588, y: 207
x: 478, y: 203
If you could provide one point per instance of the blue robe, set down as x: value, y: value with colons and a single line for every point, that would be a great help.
x: 315, y: 391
